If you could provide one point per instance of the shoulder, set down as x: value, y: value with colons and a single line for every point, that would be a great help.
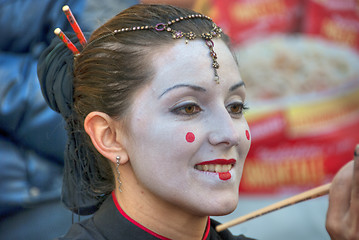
x: 85, y: 230
x: 225, y: 234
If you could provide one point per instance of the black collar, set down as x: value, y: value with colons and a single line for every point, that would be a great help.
x: 113, y: 223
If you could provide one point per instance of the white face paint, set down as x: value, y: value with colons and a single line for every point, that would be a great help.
x: 182, y: 119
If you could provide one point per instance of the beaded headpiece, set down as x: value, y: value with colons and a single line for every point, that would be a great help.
x: 215, y: 32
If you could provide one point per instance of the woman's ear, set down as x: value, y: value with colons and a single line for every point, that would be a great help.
x: 103, y: 131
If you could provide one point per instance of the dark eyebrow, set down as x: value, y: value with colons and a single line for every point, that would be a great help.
x: 235, y: 86
x: 194, y: 87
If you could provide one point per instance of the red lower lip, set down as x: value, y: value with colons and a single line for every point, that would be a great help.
x: 225, y: 176
x: 219, y: 161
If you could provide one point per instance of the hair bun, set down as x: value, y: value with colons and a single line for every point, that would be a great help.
x: 55, y: 72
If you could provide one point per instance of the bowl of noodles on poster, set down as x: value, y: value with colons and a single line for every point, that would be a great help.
x: 303, y: 94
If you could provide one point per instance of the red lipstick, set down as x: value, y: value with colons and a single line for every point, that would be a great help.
x: 218, y: 161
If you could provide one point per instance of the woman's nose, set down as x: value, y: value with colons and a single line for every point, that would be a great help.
x: 224, y: 131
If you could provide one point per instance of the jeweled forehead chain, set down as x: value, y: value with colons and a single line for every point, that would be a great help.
x: 177, y: 34
x: 215, y: 32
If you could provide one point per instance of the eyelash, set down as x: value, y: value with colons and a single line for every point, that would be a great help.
x: 242, y: 108
x: 181, y: 110
x: 195, y: 109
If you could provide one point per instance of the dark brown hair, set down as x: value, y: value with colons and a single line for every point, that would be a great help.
x: 112, y: 67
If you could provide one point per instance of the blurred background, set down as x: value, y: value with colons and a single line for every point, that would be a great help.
x: 298, y: 58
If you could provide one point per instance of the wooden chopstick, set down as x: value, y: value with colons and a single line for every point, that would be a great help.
x: 307, y: 195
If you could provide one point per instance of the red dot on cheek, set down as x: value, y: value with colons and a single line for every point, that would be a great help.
x: 190, y: 137
x: 247, y: 135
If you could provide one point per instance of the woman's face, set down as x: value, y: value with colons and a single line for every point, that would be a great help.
x: 188, y: 138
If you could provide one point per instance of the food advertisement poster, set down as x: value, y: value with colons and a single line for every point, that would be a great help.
x: 299, y: 60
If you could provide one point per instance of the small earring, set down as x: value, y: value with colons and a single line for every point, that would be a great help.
x: 118, y: 173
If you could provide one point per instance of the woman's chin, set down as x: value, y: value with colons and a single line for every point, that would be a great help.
x: 223, y: 211
x: 221, y: 208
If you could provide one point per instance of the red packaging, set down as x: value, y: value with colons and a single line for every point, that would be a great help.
x: 334, y: 20
x: 247, y: 19
x: 303, y: 145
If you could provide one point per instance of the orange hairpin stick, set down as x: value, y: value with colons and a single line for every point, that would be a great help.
x: 74, y: 25
x: 67, y: 41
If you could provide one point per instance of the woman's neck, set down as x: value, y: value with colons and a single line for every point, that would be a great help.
x: 159, y: 216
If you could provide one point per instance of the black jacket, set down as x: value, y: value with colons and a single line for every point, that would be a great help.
x: 32, y: 136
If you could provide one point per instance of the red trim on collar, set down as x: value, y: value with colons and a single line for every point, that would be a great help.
x: 133, y: 221
x: 206, y: 233
x: 146, y: 229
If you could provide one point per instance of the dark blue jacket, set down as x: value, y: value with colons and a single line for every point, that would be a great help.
x: 32, y: 136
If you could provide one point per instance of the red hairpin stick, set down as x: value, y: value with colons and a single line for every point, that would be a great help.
x: 74, y: 25
x: 67, y: 41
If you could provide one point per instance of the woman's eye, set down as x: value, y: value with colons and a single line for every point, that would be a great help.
x: 188, y: 109
x: 236, y: 108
